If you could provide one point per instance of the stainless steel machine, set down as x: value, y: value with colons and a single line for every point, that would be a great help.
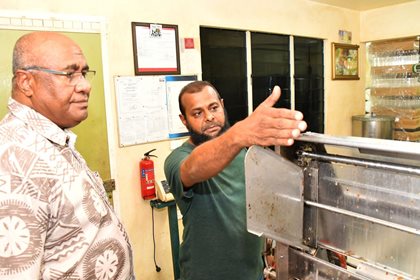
x: 338, y: 207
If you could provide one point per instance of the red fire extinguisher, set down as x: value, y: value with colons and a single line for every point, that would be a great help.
x: 147, y: 176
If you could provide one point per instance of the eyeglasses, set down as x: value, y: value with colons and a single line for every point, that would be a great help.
x: 74, y: 77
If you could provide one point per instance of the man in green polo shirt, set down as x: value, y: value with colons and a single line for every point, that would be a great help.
x: 206, y: 176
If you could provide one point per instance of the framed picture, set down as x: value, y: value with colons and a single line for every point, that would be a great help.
x: 156, y: 48
x: 345, y: 61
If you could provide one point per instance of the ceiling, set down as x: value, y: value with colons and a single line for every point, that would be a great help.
x: 362, y: 5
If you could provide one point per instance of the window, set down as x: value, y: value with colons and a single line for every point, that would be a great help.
x: 223, y: 60
x: 270, y: 66
x: 309, y: 81
x: 224, y: 64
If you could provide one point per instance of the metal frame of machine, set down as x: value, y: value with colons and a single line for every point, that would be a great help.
x: 338, y: 207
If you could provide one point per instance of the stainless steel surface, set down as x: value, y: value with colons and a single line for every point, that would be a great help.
x: 274, y: 188
x: 376, y: 272
x: 310, y: 215
x: 365, y: 163
x: 367, y: 210
x: 388, y: 196
x: 282, y: 261
x: 304, y: 266
x: 387, y: 147
x: 363, y: 217
x: 373, y: 126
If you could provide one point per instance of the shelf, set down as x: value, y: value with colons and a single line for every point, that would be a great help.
x: 394, y: 88
x: 388, y: 46
x: 391, y: 69
x: 412, y: 124
x: 396, y: 91
x: 397, y: 112
x: 407, y: 136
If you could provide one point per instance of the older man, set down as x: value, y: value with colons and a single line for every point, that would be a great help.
x: 55, y: 220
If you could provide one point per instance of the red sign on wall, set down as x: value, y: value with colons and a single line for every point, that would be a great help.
x: 189, y: 43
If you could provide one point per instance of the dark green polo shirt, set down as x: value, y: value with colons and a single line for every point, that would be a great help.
x: 216, y: 244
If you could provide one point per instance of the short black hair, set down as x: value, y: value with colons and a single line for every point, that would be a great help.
x: 194, y: 87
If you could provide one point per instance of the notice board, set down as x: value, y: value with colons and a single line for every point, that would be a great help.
x: 147, y: 108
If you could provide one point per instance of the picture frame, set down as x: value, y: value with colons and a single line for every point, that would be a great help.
x: 345, y: 61
x: 155, y: 48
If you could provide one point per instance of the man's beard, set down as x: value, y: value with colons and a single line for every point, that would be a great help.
x: 198, y: 138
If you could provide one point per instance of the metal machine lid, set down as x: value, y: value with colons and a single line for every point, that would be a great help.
x: 368, y: 145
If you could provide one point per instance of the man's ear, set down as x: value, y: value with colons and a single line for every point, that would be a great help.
x: 183, y: 120
x: 24, y: 82
x: 221, y: 101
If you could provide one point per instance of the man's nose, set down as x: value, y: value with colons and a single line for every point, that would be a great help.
x: 209, y: 116
x: 83, y: 85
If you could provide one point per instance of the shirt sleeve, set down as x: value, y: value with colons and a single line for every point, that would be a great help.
x: 173, y: 176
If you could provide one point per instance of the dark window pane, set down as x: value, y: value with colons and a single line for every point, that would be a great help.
x: 223, y: 59
x: 223, y: 54
x: 270, y: 67
x: 309, y: 81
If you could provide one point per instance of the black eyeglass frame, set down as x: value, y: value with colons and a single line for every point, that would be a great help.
x: 69, y: 75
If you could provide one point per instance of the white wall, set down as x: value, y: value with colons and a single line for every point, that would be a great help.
x: 390, y: 22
